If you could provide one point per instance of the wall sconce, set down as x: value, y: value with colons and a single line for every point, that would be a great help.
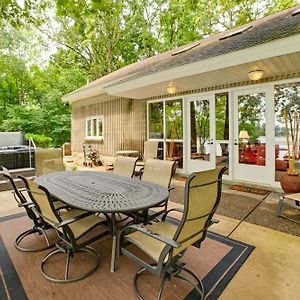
x: 256, y: 74
x: 171, y: 89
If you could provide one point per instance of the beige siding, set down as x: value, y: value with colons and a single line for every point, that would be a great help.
x: 124, y: 125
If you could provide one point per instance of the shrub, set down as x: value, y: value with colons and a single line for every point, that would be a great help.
x: 39, y: 139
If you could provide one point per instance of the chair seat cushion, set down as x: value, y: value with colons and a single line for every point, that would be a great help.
x: 150, y: 245
x: 81, y: 226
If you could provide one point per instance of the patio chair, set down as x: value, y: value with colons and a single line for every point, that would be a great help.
x: 71, y: 227
x: 150, y: 152
x: 39, y: 226
x: 48, y: 160
x: 159, y: 172
x: 292, y: 200
x: 125, y: 166
x: 165, y: 242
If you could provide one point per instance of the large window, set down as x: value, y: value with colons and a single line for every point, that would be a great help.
x: 94, y: 127
x: 165, y: 124
x: 155, y: 122
x: 287, y: 107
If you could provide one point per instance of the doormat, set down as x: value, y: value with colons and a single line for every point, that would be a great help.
x: 249, y: 189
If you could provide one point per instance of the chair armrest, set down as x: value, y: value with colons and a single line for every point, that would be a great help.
x: 154, y: 235
x: 28, y: 204
x: 171, y: 188
x: 72, y: 220
x: 172, y: 209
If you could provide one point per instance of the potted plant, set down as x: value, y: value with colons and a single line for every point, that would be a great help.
x: 290, y: 181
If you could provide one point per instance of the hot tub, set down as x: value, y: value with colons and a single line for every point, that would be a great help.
x: 16, y: 157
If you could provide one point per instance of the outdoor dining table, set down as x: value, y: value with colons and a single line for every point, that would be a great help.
x: 103, y: 192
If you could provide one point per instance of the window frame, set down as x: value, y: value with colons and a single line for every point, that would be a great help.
x: 99, y: 118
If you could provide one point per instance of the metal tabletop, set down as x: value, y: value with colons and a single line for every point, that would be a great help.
x: 102, y: 191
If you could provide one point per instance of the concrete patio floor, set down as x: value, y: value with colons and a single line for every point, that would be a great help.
x: 271, y: 271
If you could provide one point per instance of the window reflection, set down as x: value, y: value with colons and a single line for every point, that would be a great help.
x: 174, y: 119
x: 252, y: 129
x: 200, y: 131
x: 155, y: 120
x: 287, y: 99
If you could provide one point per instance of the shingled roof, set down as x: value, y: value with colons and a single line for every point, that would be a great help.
x: 264, y: 30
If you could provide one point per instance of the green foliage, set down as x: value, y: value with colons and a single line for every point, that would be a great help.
x: 49, y: 48
x: 39, y: 140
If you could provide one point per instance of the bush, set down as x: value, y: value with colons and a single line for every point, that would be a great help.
x: 40, y: 140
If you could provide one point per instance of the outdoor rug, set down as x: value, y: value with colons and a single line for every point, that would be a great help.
x: 216, y: 262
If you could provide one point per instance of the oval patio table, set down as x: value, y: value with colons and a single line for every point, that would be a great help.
x: 103, y: 192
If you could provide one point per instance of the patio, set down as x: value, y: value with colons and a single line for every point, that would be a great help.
x: 270, y: 271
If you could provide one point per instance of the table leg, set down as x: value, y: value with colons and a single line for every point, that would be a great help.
x: 114, y: 242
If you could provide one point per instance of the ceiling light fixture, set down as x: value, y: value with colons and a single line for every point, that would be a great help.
x: 256, y: 75
x: 171, y: 89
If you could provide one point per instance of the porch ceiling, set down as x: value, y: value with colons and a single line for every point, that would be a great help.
x: 272, y: 67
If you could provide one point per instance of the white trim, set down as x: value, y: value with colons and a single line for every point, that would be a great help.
x: 96, y: 137
x: 274, y: 48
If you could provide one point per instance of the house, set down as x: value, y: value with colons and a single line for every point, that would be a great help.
x: 217, y: 101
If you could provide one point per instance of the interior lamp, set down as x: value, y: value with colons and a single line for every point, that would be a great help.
x: 171, y: 89
x: 244, y: 136
x: 256, y: 74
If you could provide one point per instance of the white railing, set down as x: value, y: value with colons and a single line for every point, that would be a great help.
x: 31, y: 144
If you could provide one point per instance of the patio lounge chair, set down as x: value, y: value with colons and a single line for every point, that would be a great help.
x: 125, y: 166
x: 48, y: 160
x: 292, y: 200
x: 39, y: 226
x: 70, y: 226
x: 166, y: 242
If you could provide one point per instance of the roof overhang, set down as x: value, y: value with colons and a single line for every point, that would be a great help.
x: 152, y: 84
x: 84, y: 93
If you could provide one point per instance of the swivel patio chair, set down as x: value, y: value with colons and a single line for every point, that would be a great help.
x: 39, y: 226
x: 150, y: 152
x: 125, y: 166
x: 48, y: 160
x: 70, y: 226
x: 165, y: 242
x: 159, y: 172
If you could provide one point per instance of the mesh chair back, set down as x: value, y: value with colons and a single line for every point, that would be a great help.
x: 158, y: 171
x: 48, y: 160
x: 202, y: 195
x: 150, y: 150
x: 42, y: 202
x: 19, y: 197
x: 125, y: 166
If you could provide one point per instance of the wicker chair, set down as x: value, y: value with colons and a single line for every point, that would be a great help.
x: 165, y: 242
x: 39, y: 226
x: 125, y: 166
x: 48, y: 160
x: 70, y: 226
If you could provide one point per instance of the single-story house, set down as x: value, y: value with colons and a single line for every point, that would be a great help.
x: 218, y: 101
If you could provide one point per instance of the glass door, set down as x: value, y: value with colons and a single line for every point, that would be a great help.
x: 253, y: 136
x: 200, y: 133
